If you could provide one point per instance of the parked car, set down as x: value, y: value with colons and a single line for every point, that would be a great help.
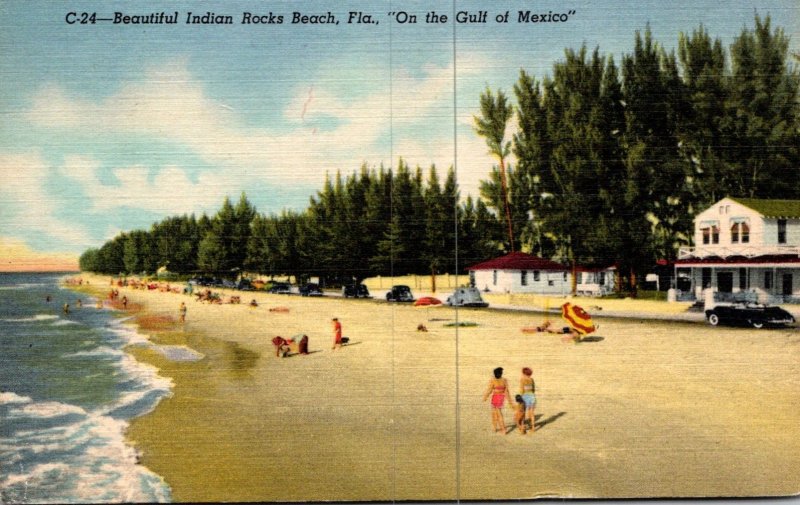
x: 310, y: 289
x: 282, y: 288
x: 748, y: 314
x: 244, y: 285
x: 355, y: 291
x: 399, y: 293
x: 466, y: 297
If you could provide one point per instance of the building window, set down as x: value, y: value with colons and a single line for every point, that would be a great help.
x: 735, y: 233
x: 781, y: 231
x: 767, y: 280
x: 536, y: 276
x: 744, y: 229
x: 523, y: 277
x: 494, y: 277
x: 710, y: 235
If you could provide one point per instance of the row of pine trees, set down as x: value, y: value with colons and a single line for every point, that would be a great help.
x: 610, y: 165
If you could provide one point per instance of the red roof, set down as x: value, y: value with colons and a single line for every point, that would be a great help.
x: 518, y: 261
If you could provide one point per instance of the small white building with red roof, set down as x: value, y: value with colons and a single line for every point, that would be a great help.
x: 520, y: 272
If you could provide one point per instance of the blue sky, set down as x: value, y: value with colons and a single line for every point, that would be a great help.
x: 108, y: 128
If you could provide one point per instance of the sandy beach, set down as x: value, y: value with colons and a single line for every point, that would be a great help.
x: 645, y: 408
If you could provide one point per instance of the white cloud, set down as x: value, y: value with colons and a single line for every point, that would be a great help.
x: 28, y: 208
x: 170, y: 191
x: 170, y: 104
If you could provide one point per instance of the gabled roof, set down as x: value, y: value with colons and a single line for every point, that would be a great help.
x: 518, y: 261
x: 772, y: 208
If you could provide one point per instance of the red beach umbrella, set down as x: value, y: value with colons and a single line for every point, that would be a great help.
x: 578, y: 319
x: 427, y: 301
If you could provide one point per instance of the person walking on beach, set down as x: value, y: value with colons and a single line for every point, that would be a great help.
x: 337, y: 334
x: 124, y: 302
x: 527, y: 389
x: 498, y: 389
x: 182, y: 311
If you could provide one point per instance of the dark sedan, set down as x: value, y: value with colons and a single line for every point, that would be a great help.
x: 399, y: 293
x: 355, y: 291
x: 748, y: 314
x: 310, y: 289
x: 283, y: 288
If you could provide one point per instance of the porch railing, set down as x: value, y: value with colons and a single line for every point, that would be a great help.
x: 747, y: 251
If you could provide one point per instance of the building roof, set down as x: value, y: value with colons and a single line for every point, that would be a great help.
x: 772, y: 208
x: 518, y: 261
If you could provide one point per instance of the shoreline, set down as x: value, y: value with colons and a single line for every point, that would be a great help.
x: 373, y: 420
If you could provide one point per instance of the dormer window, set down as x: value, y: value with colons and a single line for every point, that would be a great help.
x: 740, y: 231
x: 710, y: 232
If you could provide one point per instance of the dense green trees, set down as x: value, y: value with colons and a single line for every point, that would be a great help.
x: 612, y: 165
x: 373, y: 222
x: 609, y: 165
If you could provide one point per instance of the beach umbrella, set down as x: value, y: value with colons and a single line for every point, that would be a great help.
x: 578, y: 319
x: 427, y: 301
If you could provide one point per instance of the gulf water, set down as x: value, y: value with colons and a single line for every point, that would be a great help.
x: 68, y: 391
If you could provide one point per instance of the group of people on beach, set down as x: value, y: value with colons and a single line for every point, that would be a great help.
x: 524, y: 403
x: 299, y: 343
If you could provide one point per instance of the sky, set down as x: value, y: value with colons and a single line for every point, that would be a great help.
x: 110, y: 127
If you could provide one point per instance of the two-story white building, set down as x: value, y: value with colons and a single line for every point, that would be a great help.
x: 745, y: 248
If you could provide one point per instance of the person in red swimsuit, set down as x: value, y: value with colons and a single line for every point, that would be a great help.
x: 337, y: 333
x: 498, y: 389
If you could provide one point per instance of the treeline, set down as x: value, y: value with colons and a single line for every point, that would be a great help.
x: 612, y: 163
x: 373, y: 222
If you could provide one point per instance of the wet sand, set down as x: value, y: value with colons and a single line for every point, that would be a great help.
x: 644, y: 409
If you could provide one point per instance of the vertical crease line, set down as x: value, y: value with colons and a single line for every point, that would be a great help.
x: 455, y: 252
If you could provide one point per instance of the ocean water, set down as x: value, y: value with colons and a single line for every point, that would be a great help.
x: 67, y: 393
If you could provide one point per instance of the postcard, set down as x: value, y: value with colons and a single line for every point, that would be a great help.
x: 399, y: 250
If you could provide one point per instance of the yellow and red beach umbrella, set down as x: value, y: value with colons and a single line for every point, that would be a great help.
x: 578, y: 319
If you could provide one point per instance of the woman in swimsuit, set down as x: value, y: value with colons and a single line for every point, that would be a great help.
x: 498, y: 389
x: 527, y: 389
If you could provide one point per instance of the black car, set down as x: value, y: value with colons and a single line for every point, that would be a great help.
x: 748, y: 314
x: 310, y: 289
x: 355, y: 291
x: 399, y: 293
x: 282, y: 288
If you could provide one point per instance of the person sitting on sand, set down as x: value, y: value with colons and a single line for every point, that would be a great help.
x: 519, y: 414
x: 527, y: 389
x: 498, y: 389
x: 253, y: 303
x: 302, y: 345
x: 281, y: 346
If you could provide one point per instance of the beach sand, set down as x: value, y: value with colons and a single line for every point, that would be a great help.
x: 643, y: 409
